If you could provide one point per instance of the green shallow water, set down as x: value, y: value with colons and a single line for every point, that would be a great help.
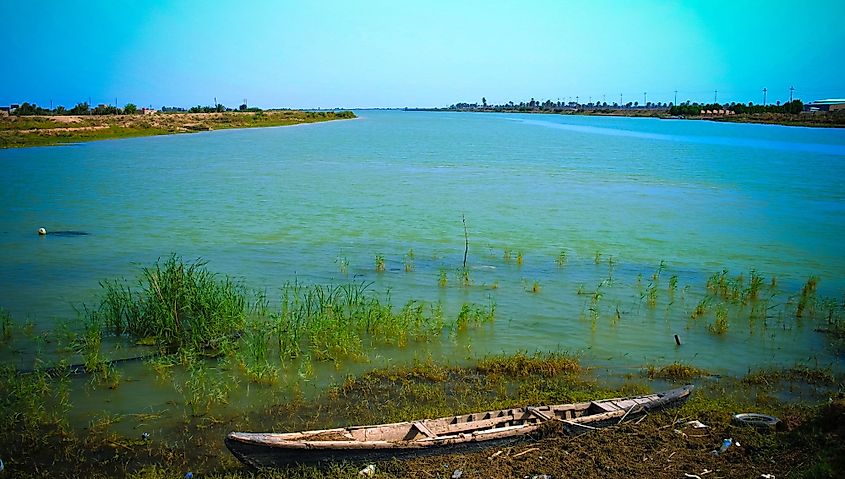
x: 277, y: 204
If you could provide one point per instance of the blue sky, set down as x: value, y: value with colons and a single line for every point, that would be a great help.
x: 425, y: 53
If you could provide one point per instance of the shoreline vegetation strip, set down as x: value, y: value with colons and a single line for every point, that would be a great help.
x: 209, y: 329
x: 812, y: 120
x: 27, y: 131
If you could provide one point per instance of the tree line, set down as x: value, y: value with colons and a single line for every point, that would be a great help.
x: 83, y: 108
x: 694, y: 109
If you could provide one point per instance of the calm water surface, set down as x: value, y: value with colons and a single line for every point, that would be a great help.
x: 271, y: 205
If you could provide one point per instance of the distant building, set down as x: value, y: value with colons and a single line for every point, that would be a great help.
x: 13, y: 107
x: 148, y: 111
x: 831, y: 104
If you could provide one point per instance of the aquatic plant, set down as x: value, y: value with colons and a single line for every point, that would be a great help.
x: 343, y: 264
x: 720, y: 325
x: 675, y: 372
x: 409, y: 261
x: 673, y: 285
x: 597, y: 258
x: 535, y: 287
x: 6, y: 325
x: 807, y: 299
x: 520, y: 364
x: 560, y: 259
x: 651, y: 294
x: 205, y: 387
x: 255, y: 355
x: 506, y: 255
x: 178, y: 304
x: 379, y: 263
x: 472, y: 315
x: 519, y: 258
x: 701, y: 308
x: 339, y: 321
x: 442, y: 279
x: 463, y: 277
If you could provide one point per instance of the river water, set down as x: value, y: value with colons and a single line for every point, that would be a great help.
x: 276, y: 204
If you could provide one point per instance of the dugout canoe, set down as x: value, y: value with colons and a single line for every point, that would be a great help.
x: 445, y: 435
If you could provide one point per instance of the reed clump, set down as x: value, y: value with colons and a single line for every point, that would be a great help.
x: 797, y: 374
x: 520, y: 364
x: 338, y: 321
x: 675, y: 372
x: 473, y: 315
x: 177, y: 304
x: 6, y: 326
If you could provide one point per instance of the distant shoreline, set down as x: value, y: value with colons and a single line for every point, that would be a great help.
x: 29, y: 131
x: 811, y: 120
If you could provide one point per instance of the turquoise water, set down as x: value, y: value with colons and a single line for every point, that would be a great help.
x: 277, y: 204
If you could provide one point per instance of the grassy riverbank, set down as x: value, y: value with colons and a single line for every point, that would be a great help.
x: 38, y: 443
x: 23, y: 131
x: 209, y: 344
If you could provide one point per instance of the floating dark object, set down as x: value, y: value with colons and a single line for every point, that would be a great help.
x: 67, y: 233
x: 437, y: 436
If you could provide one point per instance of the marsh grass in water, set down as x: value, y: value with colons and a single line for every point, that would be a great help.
x: 176, y: 304
x: 675, y: 372
x: 6, y: 326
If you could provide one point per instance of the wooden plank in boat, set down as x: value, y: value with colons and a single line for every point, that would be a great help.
x: 468, y: 426
x: 606, y: 406
x: 424, y: 429
x: 540, y: 414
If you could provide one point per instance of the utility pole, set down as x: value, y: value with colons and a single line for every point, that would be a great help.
x: 791, y: 89
x: 715, y: 96
x: 620, y: 99
x: 576, y: 100
x: 676, y: 98
x: 644, y: 99
x: 764, y: 95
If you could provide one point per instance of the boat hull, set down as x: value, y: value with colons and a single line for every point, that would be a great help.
x: 263, y: 456
x: 506, y: 427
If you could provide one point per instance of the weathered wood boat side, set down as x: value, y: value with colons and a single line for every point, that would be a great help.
x: 436, y: 436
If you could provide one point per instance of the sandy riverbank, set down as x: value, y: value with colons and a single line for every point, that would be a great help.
x: 52, y: 130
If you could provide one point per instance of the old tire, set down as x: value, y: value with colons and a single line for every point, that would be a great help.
x: 758, y: 421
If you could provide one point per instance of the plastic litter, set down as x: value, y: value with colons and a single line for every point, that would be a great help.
x: 367, y: 471
x: 767, y: 476
x: 457, y: 474
x: 696, y: 424
x: 189, y: 475
x: 145, y: 436
x: 1, y: 465
x: 692, y: 476
x: 541, y: 476
x: 726, y: 443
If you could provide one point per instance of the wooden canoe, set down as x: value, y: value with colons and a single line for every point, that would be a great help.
x: 437, y: 436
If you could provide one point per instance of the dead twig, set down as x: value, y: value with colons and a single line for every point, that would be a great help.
x: 526, y: 451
